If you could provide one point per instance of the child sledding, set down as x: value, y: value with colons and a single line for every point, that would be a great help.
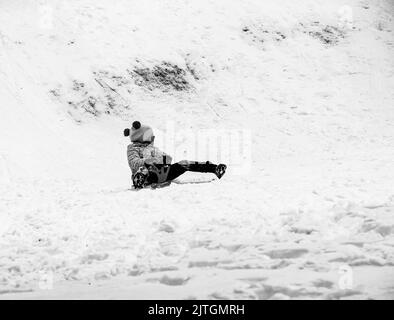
x: 149, y: 165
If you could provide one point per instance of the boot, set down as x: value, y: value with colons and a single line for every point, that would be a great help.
x: 140, y: 178
x: 220, y: 170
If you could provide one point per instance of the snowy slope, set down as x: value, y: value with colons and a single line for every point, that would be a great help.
x: 309, y: 83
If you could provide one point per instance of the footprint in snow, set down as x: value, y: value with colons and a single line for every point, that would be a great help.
x: 171, y: 281
x: 286, y: 253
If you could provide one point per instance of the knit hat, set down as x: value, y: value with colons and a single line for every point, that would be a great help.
x: 140, y: 133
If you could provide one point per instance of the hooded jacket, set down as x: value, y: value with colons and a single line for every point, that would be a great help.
x: 139, y: 153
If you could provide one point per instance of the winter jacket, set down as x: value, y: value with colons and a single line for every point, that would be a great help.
x: 138, y: 153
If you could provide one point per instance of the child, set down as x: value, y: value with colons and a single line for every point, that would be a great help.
x: 150, y: 165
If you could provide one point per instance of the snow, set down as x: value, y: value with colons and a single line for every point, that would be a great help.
x: 307, y: 215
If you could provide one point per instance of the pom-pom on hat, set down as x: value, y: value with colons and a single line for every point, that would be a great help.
x: 140, y: 133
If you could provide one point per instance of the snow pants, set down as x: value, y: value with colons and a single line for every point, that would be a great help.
x: 163, y: 173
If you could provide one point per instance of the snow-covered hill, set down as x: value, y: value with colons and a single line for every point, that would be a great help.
x: 305, y: 86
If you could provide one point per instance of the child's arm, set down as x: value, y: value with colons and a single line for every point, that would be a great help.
x: 133, y: 156
x: 135, y: 161
x: 159, y: 157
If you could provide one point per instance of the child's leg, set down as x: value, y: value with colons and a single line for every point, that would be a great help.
x: 196, y: 166
x: 175, y: 171
x: 160, y: 174
x: 181, y: 167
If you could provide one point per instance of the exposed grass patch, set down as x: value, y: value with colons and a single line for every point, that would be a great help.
x: 328, y: 35
x: 165, y: 77
x: 260, y: 33
x: 111, y: 93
